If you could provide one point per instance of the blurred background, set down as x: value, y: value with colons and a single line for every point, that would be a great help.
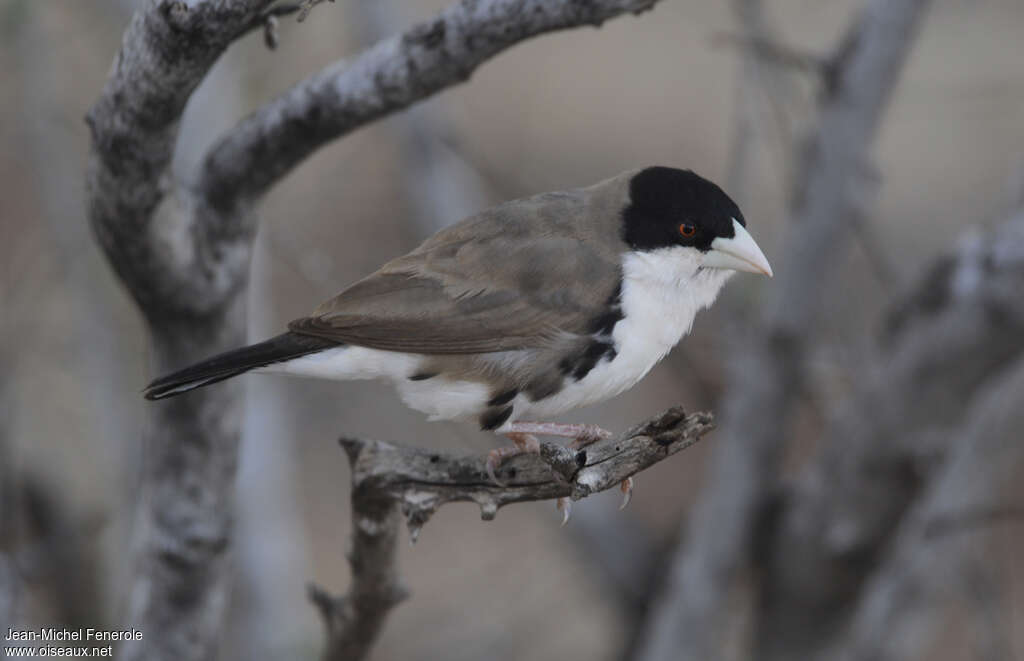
x: 668, y: 87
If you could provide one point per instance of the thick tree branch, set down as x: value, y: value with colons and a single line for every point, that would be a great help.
x: 693, y: 612
x: 388, y: 480
x: 390, y: 76
x: 901, y: 610
x: 166, y: 51
x: 957, y: 331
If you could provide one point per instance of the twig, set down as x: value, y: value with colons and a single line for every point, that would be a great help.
x: 388, y: 480
x: 306, y: 6
x: 353, y: 621
x: 775, y: 53
x: 268, y: 21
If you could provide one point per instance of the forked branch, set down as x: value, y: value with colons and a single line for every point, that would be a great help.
x: 388, y: 480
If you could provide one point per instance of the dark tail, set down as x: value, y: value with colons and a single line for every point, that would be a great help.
x: 232, y: 363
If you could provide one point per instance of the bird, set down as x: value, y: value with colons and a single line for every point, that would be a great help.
x: 524, y: 311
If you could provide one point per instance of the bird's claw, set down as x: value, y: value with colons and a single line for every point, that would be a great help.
x: 524, y: 444
x: 494, y: 460
x: 627, y: 492
x: 588, y: 435
x: 592, y: 434
x: 565, y: 506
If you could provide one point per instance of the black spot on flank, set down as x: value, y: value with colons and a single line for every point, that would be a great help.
x: 605, y: 323
x: 590, y: 357
x: 422, y: 376
x: 596, y: 350
x: 434, y: 458
x: 661, y: 199
x: 503, y: 397
x: 581, y: 459
x: 494, y: 418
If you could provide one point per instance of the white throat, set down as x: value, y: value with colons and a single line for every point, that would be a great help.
x: 662, y: 292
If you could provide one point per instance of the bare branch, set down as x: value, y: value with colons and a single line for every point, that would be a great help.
x: 160, y: 247
x: 387, y: 479
x: 354, y: 621
x: 306, y: 6
x: 899, y: 610
x: 440, y: 185
x: 392, y: 75
x: 775, y: 52
x: 423, y: 481
x: 167, y: 50
x: 959, y: 329
x: 688, y: 622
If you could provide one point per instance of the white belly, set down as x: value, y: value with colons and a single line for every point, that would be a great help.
x: 438, y: 397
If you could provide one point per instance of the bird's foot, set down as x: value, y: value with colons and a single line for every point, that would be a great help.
x: 524, y: 444
x: 627, y: 492
x: 582, y: 435
x: 522, y: 434
x: 564, y: 505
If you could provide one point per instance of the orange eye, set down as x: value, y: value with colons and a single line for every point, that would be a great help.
x: 687, y: 230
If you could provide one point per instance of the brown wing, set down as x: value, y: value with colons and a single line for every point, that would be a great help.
x: 512, y: 278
